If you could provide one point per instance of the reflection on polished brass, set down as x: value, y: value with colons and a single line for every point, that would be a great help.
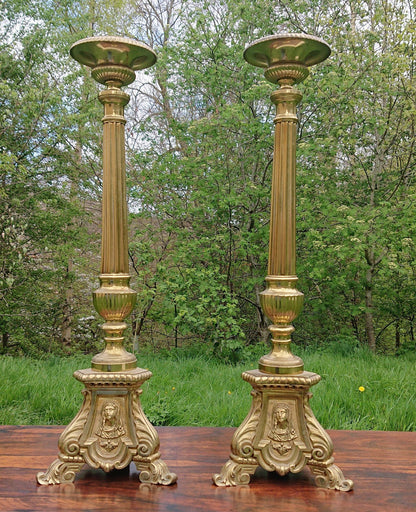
x: 111, y: 429
x: 280, y: 432
x: 281, y: 303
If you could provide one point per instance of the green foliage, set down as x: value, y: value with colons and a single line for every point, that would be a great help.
x: 356, y: 180
x: 158, y: 412
x: 200, y: 142
x: 43, y: 183
x: 204, y: 175
x: 205, y: 184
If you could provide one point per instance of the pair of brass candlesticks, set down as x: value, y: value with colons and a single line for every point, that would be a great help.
x: 280, y: 432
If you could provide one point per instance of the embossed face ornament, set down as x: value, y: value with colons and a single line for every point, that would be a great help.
x: 109, y: 411
x: 281, y: 414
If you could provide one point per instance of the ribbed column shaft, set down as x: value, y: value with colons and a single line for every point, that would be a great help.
x: 114, y: 249
x: 282, y: 247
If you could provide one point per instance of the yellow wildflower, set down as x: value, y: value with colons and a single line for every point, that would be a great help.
x: 361, y: 389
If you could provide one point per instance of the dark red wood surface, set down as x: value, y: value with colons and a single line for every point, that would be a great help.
x: 381, y: 464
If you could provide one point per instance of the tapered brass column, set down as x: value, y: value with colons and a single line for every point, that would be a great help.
x: 282, y: 302
x: 111, y: 429
x: 114, y: 300
x: 113, y: 62
x: 280, y: 432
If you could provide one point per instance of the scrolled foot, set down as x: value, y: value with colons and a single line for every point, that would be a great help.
x: 331, y: 477
x: 59, y: 472
x: 155, y: 472
x: 234, y: 473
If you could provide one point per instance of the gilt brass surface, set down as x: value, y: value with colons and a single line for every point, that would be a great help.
x: 280, y: 432
x: 111, y: 429
x: 113, y: 62
x: 114, y: 54
x: 287, y: 50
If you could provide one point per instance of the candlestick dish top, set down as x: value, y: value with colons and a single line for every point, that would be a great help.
x: 286, y: 48
x: 113, y: 52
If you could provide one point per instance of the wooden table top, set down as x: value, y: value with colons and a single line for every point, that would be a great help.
x: 381, y: 464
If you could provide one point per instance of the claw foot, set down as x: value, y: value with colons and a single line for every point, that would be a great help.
x: 331, y: 477
x: 155, y: 472
x: 234, y: 473
x: 59, y: 472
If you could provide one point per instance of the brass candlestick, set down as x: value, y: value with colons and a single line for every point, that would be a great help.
x: 111, y: 429
x: 280, y: 432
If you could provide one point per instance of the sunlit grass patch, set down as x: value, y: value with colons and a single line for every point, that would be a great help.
x: 363, y: 391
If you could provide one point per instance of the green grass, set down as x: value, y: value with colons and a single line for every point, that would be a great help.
x: 198, y: 390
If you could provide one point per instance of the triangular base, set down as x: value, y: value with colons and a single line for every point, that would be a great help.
x: 110, y: 431
x: 281, y: 434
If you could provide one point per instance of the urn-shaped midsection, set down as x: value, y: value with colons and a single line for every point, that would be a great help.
x: 281, y: 301
x: 114, y: 300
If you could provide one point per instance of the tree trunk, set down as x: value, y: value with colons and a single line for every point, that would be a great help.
x: 262, y: 324
x: 354, y: 324
x: 398, y: 335
x: 138, y: 325
x: 369, y: 320
x: 176, y: 327
x: 4, y: 342
x: 66, y: 327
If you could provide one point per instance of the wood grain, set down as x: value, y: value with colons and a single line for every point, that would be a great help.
x: 381, y: 464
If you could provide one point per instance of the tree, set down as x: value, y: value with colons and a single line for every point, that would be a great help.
x: 42, y: 222
x: 357, y: 166
x: 200, y: 145
x: 203, y: 177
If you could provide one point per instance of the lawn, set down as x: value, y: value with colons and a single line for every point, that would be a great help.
x: 360, y: 391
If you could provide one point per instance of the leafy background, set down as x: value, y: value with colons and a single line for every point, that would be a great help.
x: 200, y: 142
